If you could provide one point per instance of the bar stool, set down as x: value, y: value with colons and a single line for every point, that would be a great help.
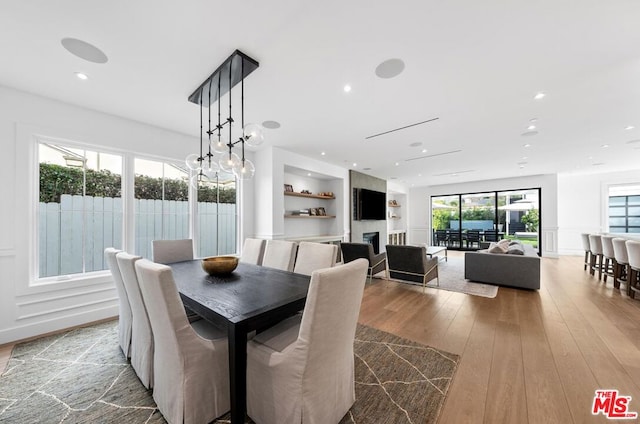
x: 633, y: 251
x: 587, y: 250
x: 595, y: 241
x: 621, y: 268
x: 609, y: 258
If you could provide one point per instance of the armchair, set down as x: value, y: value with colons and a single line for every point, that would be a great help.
x: 410, y: 263
x: 353, y: 251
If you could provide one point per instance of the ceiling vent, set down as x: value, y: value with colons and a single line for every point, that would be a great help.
x: 433, y: 155
x: 401, y: 128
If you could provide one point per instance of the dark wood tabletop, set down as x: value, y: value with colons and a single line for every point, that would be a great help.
x: 251, y: 298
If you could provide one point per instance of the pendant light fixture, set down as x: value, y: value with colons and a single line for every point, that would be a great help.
x: 220, y: 153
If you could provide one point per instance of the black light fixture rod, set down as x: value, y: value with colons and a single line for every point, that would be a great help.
x: 242, y: 111
x: 201, y: 158
x: 230, y: 119
x: 219, y: 126
x: 209, y: 155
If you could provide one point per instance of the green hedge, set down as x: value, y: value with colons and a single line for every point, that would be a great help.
x: 56, y: 180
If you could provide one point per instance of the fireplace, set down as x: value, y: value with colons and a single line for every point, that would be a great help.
x: 374, y: 239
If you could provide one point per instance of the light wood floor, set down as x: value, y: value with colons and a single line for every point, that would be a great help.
x: 526, y: 356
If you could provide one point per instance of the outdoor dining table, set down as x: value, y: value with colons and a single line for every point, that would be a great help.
x: 251, y: 298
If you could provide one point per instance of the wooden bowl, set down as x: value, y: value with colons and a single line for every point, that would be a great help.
x: 219, y: 265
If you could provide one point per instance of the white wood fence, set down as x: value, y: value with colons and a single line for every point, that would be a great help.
x: 74, y: 233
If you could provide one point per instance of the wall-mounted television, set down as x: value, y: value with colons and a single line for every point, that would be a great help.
x: 369, y: 204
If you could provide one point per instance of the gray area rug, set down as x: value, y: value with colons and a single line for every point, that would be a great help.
x: 81, y: 376
x: 452, y: 279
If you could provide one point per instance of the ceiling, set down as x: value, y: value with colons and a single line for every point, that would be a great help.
x: 474, y: 65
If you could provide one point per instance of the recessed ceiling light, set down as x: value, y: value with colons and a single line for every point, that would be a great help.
x: 424, y: 150
x: 419, y: 175
x: 521, y: 166
x: 82, y: 76
x: 347, y: 88
x: 308, y: 174
x: 84, y: 50
x: 390, y: 68
x: 539, y: 96
x: 604, y: 146
x: 355, y: 164
x: 397, y: 163
x: 526, y: 145
x: 272, y: 125
x: 525, y: 157
x: 533, y: 120
x: 590, y: 158
x: 323, y: 153
x: 531, y: 127
x: 629, y: 127
x: 529, y: 133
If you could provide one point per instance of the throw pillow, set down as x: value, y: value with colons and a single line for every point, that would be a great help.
x: 497, y: 248
x: 515, y: 250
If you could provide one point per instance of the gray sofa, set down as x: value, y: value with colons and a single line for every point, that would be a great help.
x: 503, y: 269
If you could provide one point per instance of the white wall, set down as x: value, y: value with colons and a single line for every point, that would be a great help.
x: 420, y: 198
x: 26, y: 309
x: 582, y: 206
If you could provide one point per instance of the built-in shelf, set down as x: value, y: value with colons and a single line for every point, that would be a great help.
x: 394, y: 206
x: 312, y: 196
x: 310, y: 216
x: 394, y: 217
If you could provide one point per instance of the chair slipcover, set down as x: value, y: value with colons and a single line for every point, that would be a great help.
x: 280, y: 254
x: 124, y: 309
x: 169, y: 251
x: 410, y: 263
x: 303, y: 368
x: 191, y: 361
x: 620, y: 250
x: 252, y: 251
x: 586, y: 246
x: 141, y: 336
x: 353, y: 251
x: 607, y: 247
x: 314, y: 256
x: 633, y: 253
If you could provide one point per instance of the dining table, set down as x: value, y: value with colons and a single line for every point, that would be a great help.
x: 250, y: 298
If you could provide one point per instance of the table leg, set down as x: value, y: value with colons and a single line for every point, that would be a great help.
x: 446, y: 258
x: 238, y: 373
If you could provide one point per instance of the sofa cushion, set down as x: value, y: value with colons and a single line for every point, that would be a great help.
x: 515, y: 249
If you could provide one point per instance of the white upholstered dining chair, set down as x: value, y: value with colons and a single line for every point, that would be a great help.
x: 314, y: 256
x: 280, y: 254
x: 124, y: 309
x: 304, y: 366
x: 191, y: 374
x: 141, y: 336
x: 252, y: 251
x: 169, y: 251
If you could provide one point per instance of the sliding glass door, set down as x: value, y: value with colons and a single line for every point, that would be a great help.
x: 471, y: 221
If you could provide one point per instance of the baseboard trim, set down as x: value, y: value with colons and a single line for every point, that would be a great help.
x: 56, y: 325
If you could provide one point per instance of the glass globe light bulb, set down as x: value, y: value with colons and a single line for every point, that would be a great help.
x: 227, y: 163
x: 198, y: 180
x: 193, y: 162
x: 210, y: 168
x: 245, y: 172
x: 219, y: 145
x: 253, y: 134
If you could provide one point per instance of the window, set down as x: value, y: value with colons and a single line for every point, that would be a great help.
x: 624, y: 209
x: 217, y: 216
x: 473, y: 220
x: 161, y: 203
x: 80, y: 209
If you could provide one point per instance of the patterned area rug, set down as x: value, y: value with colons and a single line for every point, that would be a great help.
x: 452, y: 279
x: 82, y: 377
